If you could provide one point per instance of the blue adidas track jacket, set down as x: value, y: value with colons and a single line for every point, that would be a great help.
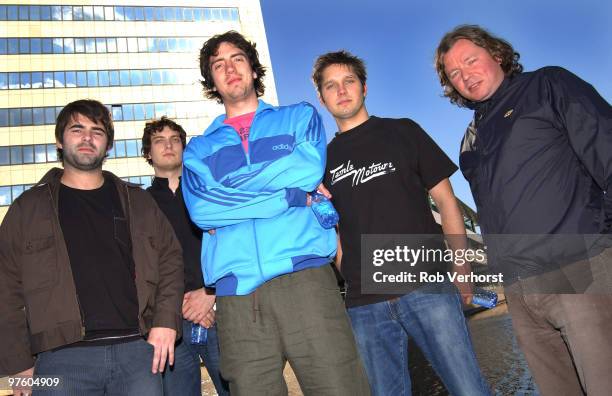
x: 256, y: 200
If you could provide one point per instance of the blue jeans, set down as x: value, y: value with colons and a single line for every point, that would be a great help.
x: 120, y: 369
x: 184, y: 379
x: 433, y: 318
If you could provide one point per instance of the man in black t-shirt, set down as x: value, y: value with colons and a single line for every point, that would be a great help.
x: 163, y: 142
x: 89, y: 267
x: 379, y: 172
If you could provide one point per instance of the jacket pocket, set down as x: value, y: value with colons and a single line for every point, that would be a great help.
x: 39, y: 269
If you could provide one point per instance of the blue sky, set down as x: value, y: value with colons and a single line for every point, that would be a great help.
x: 397, y: 39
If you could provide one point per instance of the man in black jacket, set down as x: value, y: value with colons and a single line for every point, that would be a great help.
x: 163, y: 142
x: 538, y: 157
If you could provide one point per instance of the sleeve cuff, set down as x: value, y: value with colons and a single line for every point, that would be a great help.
x: 295, y: 197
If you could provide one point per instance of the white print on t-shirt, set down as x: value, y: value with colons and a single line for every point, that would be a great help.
x: 361, y: 175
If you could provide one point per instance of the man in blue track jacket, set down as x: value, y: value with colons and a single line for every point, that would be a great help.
x: 538, y: 157
x: 247, y: 177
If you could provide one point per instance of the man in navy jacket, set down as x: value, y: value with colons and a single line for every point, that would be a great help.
x: 538, y: 157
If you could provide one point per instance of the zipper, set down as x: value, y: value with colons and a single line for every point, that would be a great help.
x: 129, y: 217
x: 59, y: 227
x: 257, y: 250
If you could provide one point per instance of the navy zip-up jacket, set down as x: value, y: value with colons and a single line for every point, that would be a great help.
x: 538, y: 157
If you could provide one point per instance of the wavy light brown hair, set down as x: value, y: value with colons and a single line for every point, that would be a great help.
x: 497, y: 47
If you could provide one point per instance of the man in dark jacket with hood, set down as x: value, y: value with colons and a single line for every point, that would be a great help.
x: 538, y: 157
x: 89, y: 267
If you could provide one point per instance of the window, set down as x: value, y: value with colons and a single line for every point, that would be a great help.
x: 23, y: 13
x: 38, y: 116
x: 25, y: 80
x: 172, y: 45
x: 109, y: 14
x: 79, y: 45
x: 17, y: 190
x: 68, y: 45
x: 92, y: 78
x: 37, y: 80
x: 40, y: 153
x: 139, y: 111
x: 77, y: 13
x: 156, y: 77
x: 13, y: 80
x: 90, y: 45
x: 12, y: 13
x: 71, y: 80
x: 3, y: 81
x: 5, y: 158
x: 51, y: 153
x: 58, y: 46
x: 158, y: 13
x: 4, y: 118
x: 5, y: 196
x: 139, y: 13
x: 88, y: 14
x: 131, y: 147
x: 119, y: 149
x: 129, y: 13
x: 60, y: 81
x: 111, y: 44
x: 14, y: 117
x: 98, y: 13
x: 114, y: 78
x: 3, y: 46
x: 103, y: 78
x: 199, y: 14
x: 26, y: 116
x: 49, y: 115
x: 146, y: 77
x: 56, y: 13
x: 81, y: 79
x: 128, y: 112
x: 101, y: 45
x: 149, y: 111
x: 24, y: 46
x: 132, y: 44
x: 149, y: 13
x: 136, y: 77
x: 28, y: 154
x: 13, y: 46
x: 234, y: 15
x: 16, y: 155
x: 124, y: 77
x: 45, y: 13
x: 119, y: 14
x: 67, y: 13
x: 34, y: 13
x: 188, y: 14
x: 47, y: 46
x: 121, y: 44
x: 117, y: 113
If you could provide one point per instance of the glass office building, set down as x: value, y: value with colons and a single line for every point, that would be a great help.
x: 138, y: 58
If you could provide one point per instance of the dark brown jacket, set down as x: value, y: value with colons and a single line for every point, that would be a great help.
x: 39, y: 309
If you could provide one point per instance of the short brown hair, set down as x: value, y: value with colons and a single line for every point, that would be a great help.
x: 341, y: 57
x: 89, y: 108
x: 155, y: 126
x: 211, y: 48
x: 497, y: 47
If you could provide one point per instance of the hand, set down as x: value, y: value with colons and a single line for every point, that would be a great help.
x: 211, y: 232
x: 322, y: 190
x: 466, y: 289
x: 23, y: 390
x: 162, y: 339
x: 197, y: 305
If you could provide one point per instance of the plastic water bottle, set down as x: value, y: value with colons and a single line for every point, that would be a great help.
x: 484, y: 298
x: 324, y: 210
x: 199, y: 334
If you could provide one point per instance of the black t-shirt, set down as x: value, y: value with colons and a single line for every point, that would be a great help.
x: 379, y: 173
x: 188, y: 234
x: 97, y: 237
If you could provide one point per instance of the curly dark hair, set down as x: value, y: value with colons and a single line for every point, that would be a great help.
x: 154, y: 126
x: 497, y: 47
x: 211, y: 48
x: 89, y: 108
x: 341, y: 57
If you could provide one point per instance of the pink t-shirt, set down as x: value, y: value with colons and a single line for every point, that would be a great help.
x: 242, y: 125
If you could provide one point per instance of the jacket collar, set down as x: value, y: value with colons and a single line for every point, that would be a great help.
x: 218, y: 123
x: 54, y: 175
